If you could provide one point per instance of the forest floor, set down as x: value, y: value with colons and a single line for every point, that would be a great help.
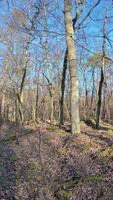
x: 47, y: 163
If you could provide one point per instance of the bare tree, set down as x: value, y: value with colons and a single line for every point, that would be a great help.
x: 75, y: 120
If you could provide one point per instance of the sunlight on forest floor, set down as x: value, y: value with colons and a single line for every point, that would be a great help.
x: 52, y: 164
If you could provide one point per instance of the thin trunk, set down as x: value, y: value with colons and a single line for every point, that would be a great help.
x: 74, y: 104
x: 104, y: 100
x: 36, y: 104
x: 49, y: 67
x: 63, y: 88
x: 20, y: 97
x: 59, y: 84
x: 16, y: 110
x: 3, y: 106
x: 52, y: 103
x: 85, y: 96
x: 20, y: 93
x: 20, y: 108
x: 93, y: 90
x: 99, y: 103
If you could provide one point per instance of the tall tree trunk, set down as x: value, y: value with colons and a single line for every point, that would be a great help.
x: 20, y: 108
x: 16, y: 117
x: 99, y: 97
x: 74, y: 20
x: 74, y: 104
x: 20, y: 93
x: 36, y: 104
x: 3, y: 106
x: 63, y: 88
x: 85, y: 96
x: 93, y: 90
x: 59, y: 84
x: 105, y: 98
x: 50, y: 80
x: 51, y: 103
x: 99, y: 103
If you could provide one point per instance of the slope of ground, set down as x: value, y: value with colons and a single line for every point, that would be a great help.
x: 47, y: 163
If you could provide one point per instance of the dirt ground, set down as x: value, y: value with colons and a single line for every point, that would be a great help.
x: 47, y: 163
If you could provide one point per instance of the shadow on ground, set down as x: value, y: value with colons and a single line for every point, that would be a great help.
x: 92, y: 124
x: 7, y: 173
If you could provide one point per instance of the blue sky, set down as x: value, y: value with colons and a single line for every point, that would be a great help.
x: 91, y: 29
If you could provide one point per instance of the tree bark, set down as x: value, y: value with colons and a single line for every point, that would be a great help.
x: 50, y: 80
x: 51, y: 90
x: 63, y: 89
x: 85, y: 96
x: 74, y: 104
x: 20, y: 93
x: 99, y: 103
x: 99, y: 97
x: 65, y: 69
x: 36, y: 104
x: 93, y: 90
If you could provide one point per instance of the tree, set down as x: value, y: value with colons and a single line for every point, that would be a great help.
x: 79, y: 10
x: 74, y: 90
x: 50, y: 79
x: 99, y: 103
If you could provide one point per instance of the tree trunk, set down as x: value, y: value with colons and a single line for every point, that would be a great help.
x: 3, y: 107
x: 63, y: 88
x: 85, y: 96
x: 74, y: 104
x: 20, y: 93
x: 20, y: 108
x: 64, y: 78
x: 36, y: 104
x: 16, y: 117
x: 64, y: 72
x: 99, y: 97
x: 50, y: 80
x: 93, y: 90
x: 99, y: 103
x: 51, y: 90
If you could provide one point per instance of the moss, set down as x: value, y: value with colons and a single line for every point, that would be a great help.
x: 67, y: 195
x: 71, y: 183
x: 87, y: 147
x: 110, y: 132
x: 47, y: 141
x: 61, y: 152
x: 32, y: 166
x: 61, y: 132
x: 8, y: 139
x: 108, y: 152
x: 51, y: 127
x: 82, y: 180
x: 112, y: 146
x: 96, y: 179
x: 57, y: 130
